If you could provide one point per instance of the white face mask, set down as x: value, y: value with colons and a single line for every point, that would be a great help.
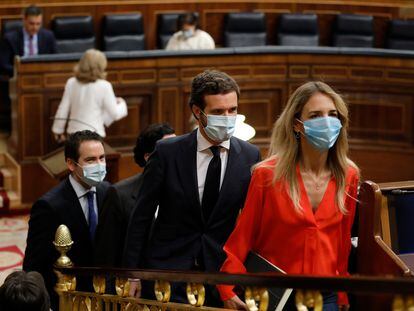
x: 220, y: 128
x: 93, y: 174
x: 188, y: 33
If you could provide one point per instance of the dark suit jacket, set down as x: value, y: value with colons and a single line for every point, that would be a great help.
x: 59, y: 206
x: 14, y: 45
x: 113, y: 221
x: 181, y: 233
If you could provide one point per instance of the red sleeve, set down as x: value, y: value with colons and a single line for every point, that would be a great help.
x: 241, y: 241
x: 345, y: 247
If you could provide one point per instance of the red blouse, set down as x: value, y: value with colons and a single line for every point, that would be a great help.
x: 299, y: 243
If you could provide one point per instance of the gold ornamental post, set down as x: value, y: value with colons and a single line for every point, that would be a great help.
x: 63, y: 243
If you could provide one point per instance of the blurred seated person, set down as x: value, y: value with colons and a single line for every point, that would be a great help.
x: 24, y: 291
x: 121, y: 199
x: 30, y: 40
x: 190, y: 37
x: 88, y: 102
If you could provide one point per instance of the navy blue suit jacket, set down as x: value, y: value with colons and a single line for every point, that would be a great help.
x: 120, y: 200
x: 59, y: 206
x: 180, y: 232
x: 14, y: 45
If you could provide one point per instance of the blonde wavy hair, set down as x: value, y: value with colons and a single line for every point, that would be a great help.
x: 286, y: 148
x: 91, y: 66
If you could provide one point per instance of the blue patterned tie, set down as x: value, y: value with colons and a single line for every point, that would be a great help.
x: 92, y: 219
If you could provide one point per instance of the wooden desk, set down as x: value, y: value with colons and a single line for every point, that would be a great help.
x: 375, y: 245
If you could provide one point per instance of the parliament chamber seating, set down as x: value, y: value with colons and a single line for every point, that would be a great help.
x: 11, y: 25
x: 400, y: 35
x: 73, y: 34
x: 386, y: 233
x: 298, y: 30
x: 166, y: 27
x: 353, y: 30
x: 400, y: 226
x: 245, y: 29
x: 123, y: 32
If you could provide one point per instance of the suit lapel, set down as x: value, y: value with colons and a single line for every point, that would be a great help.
x: 21, y: 43
x: 232, y: 170
x: 40, y: 44
x: 187, y: 169
x: 136, y: 187
x: 100, y: 195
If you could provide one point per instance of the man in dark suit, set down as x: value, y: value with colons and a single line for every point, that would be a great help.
x: 30, y: 40
x: 75, y: 202
x: 122, y: 198
x: 200, y: 181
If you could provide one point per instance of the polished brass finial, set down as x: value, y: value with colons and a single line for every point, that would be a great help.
x: 63, y: 242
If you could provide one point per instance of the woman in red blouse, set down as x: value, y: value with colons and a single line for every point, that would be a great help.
x: 301, y: 201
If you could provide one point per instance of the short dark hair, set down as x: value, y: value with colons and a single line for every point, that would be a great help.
x: 211, y: 82
x: 24, y: 291
x: 32, y: 10
x: 188, y: 18
x: 148, y: 138
x: 74, y: 141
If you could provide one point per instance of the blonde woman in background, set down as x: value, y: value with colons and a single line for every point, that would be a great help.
x: 88, y: 102
x: 301, y: 201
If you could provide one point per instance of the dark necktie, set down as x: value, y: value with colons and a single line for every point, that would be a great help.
x: 212, y: 184
x: 92, y: 219
x: 31, y: 47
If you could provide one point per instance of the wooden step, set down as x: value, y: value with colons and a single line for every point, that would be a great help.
x: 11, y: 172
x: 15, y: 201
x: 9, y: 178
x: 2, y: 159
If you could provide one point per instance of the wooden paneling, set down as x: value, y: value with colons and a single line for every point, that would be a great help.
x: 32, y: 139
x: 157, y: 90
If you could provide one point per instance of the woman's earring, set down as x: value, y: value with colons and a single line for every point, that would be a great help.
x: 297, y: 135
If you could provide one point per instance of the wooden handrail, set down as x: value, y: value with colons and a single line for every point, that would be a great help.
x: 354, y: 284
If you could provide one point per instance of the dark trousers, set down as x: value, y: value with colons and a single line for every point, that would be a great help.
x: 329, y: 302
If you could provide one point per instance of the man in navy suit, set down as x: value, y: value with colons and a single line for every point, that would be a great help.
x: 75, y: 202
x: 122, y: 198
x: 30, y: 40
x: 200, y: 181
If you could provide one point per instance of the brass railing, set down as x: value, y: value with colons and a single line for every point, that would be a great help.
x: 307, y: 288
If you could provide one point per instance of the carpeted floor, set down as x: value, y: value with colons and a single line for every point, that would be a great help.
x: 13, y: 233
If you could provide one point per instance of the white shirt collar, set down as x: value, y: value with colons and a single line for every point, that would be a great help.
x: 27, y: 36
x: 203, y: 143
x: 79, y: 189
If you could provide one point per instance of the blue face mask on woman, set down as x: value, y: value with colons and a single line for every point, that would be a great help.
x: 93, y: 174
x: 322, y: 132
x: 220, y: 128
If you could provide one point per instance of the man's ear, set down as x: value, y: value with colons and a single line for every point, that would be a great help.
x: 196, y: 111
x: 70, y: 164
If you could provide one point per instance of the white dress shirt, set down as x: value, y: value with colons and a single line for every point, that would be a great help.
x: 83, y: 200
x: 204, y: 156
x: 26, y: 42
x: 201, y: 40
x: 88, y: 106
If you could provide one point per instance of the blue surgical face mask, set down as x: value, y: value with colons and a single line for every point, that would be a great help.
x: 93, y: 174
x: 322, y: 132
x: 220, y: 128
